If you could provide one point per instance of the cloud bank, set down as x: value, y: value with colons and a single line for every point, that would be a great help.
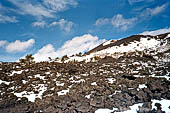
x: 46, y: 8
x: 70, y: 47
x: 117, y: 21
x: 63, y: 24
x: 120, y: 22
x: 2, y: 43
x: 6, y: 18
x: 19, y: 46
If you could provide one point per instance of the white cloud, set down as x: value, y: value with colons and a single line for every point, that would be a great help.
x: 19, y: 46
x: 158, y: 9
x: 134, y: 1
x: 39, y: 24
x: 2, y: 43
x: 63, y: 24
x: 131, y: 2
x: 28, y: 8
x: 46, y: 8
x: 102, y: 21
x: 59, y: 5
x: 70, y: 47
x: 4, y: 19
x: 44, y: 53
x: 156, y: 32
x: 118, y: 21
x: 154, y: 11
x: 79, y: 44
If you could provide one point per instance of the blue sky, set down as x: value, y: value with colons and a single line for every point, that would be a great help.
x: 58, y: 27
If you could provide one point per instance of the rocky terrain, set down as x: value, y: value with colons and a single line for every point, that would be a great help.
x: 106, y: 82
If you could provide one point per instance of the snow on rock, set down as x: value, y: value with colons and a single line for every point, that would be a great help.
x: 116, y: 51
x: 106, y: 43
x: 144, y: 43
x: 88, y: 96
x: 116, y: 92
x: 94, y: 84
x: 165, y: 105
x: 141, y: 86
x: 166, y: 76
x: 133, y: 109
x: 5, y: 82
x: 78, y: 80
x: 168, y: 35
x: 103, y: 111
x: 136, y: 63
x: 16, y: 72
x: 59, y: 84
x: 64, y: 92
x: 39, y: 76
x: 47, y: 73
x: 31, y: 95
x: 109, y: 42
x: 111, y: 80
x: 24, y: 81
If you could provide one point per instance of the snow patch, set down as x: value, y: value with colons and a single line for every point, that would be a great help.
x: 165, y: 105
x: 59, y: 84
x: 5, y: 82
x: 16, y: 72
x: 31, y: 95
x: 133, y: 108
x: 94, y: 84
x: 88, y: 96
x: 141, y: 86
x: 64, y: 92
x: 166, y: 76
x: 111, y: 80
x: 39, y: 76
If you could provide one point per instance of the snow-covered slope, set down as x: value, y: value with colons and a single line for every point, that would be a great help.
x: 137, y: 44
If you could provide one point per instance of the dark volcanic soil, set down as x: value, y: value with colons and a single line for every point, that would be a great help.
x: 107, y: 83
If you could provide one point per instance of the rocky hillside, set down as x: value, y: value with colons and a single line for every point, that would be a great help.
x: 134, y: 71
x: 138, y: 44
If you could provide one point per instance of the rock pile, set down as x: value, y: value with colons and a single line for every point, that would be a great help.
x: 79, y: 87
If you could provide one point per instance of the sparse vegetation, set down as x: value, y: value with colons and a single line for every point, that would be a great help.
x: 50, y: 58
x: 95, y: 58
x: 149, y: 39
x: 79, y: 54
x: 28, y: 60
x: 57, y: 58
x: 125, y: 44
x: 65, y: 57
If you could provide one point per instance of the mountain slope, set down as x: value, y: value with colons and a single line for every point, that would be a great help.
x: 123, y: 77
x: 134, y: 38
x: 146, y: 44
